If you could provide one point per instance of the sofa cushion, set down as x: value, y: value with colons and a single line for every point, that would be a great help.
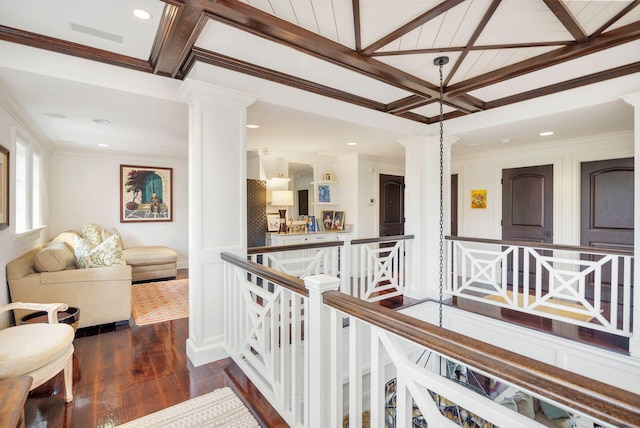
x: 525, y: 404
x: 92, y: 233
x: 553, y: 412
x: 149, y: 255
x: 53, y: 258
x: 107, y: 253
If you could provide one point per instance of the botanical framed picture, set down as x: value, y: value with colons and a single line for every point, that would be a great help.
x: 478, y: 199
x: 146, y: 194
x: 338, y: 220
x: 4, y: 188
x: 324, y: 193
x: 273, y: 222
x: 327, y: 220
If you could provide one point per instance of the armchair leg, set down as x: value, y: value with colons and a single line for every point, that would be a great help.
x: 68, y: 380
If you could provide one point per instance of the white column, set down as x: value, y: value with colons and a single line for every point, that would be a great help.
x: 634, y: 341
x: 422, y: 209
x: 217, y: 207
x: 319, y: 343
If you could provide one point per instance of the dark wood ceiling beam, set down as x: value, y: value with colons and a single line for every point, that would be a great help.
x: 569, y: 84
x: 411, y: 25
x: 612, y: 38
x: 355, y: 5
x: 408, y: 103
x: 472, y: 40
x: 39, y: 41
x: 472, y: 48
x: 167, y: 22
x: 179, y: 35
x: 254, y: 21
x: 223, y: 61
x: 564, y: 15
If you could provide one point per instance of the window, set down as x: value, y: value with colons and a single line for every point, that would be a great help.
x: 28, y: 193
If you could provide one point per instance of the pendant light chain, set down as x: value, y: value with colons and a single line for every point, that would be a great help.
x: 441, y: 61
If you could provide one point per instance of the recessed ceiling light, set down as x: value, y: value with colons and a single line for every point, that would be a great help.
x: 102, y: 121
x: 141, y: 14
x: 505, y: 141
x: 56, y: 115
x: 352, y: 143
x: 250, y: 126
x: 546, y: 133
x: 103, y: 145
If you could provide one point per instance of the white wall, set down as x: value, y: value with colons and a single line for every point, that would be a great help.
x: 484, y: 171
x: 87, y: 190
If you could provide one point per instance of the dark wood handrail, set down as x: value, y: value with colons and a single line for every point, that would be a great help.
x: 542, y: 245
x: 292, y: 247
x: 381, y: 239
x: 602, y: 401
x: 282, y: 279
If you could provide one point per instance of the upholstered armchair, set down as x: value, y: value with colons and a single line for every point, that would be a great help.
x: 40, y: 350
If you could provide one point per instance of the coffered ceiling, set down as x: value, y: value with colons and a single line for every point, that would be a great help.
x: 326, y: 72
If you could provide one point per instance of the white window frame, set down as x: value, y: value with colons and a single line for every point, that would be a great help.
x: 30, y: 220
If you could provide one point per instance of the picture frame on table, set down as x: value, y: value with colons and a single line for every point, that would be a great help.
x: 338, y: 220
x: 4, y: 187
x: 327, y: 220
x: 273, y: 222
x: 146, y: 194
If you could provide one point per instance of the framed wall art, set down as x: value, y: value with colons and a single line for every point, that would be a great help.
x: 324, y: 193
x: 146, y: 194
x: 479, y: 198
x: 4, y: 188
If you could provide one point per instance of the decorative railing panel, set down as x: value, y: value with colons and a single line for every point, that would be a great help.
x: 580, y: 285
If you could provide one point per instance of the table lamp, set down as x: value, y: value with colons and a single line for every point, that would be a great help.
x: 282, y: 198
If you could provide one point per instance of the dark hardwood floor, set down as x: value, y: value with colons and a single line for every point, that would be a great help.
x: 121, y: 373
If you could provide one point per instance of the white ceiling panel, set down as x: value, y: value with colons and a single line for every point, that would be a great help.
x: 229, y: 41
x: 421, y: 65
x: 110, y: 25
x: 591, y: 15
x: 588, y: 64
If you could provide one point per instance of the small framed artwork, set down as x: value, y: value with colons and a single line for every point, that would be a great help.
x: 327, y: 220
x: 338, y: 220
x: 327, y: 176
x: 273, y: 222
x: 324, y: 193
x: 146, y: 194
x: 4, y: 188
x: 479, y: 198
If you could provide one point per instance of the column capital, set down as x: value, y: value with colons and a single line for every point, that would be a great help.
x: 633, y: 99
x: 321, y: 283
x: 448, y: 140
x: 196, y: 89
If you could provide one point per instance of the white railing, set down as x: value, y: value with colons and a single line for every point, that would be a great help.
x: 579, y: 285
x: 318, y: 372
x: 371, y: 269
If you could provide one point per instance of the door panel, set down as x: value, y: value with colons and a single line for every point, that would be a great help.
x: 527, y: 211
x: 454, y: 205
x: 607, y: 198
x: 391, y: 205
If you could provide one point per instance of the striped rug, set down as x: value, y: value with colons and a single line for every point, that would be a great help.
x: 220, y: 408
x: 160, y: 301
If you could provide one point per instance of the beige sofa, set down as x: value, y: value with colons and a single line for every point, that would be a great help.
x: 103, y: 294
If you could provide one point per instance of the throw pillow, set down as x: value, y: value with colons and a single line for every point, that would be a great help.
x: 525, y: 404
x: 509, y: 403
x: 553, y: 412
x: 55, y: 257
x: 106, y: 234
x: 107, y: 253
x: 92, y: 233
x: 68, y: 237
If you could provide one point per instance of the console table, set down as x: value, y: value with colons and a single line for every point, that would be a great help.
x: 13, y: 395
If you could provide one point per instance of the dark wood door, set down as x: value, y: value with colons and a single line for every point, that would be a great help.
x: 527, y: 210
x: 606, y: 212
x: 391, y: 205
x: 303, y: 202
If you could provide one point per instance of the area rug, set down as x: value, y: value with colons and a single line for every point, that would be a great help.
x: 546, y: 309
x: 160, y: 301
x: 220, y: 408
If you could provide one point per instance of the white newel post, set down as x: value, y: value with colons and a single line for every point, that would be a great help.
x: 634, y: 341
x: 319, y: 343
x: 422, y: 209
x: 217, y: 207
